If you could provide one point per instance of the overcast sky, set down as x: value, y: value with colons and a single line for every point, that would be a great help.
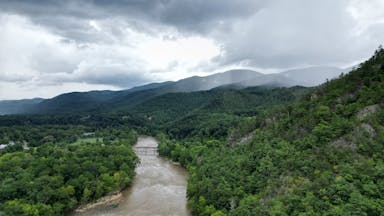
x: 49, y: 47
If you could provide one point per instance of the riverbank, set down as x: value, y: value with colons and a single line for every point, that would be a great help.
x: 108, y: 200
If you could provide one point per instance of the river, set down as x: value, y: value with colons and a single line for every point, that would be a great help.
x: 159, y: 188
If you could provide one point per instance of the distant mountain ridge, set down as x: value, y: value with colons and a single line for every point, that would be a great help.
x: 307, y: 77
x: 100, y: 101
x: 18, y: 106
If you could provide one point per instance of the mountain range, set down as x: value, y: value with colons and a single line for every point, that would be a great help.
x: 126, y: 99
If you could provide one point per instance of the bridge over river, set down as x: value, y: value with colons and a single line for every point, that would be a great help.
x: 145, y: 150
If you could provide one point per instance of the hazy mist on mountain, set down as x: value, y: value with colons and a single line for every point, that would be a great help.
x: 124, y: 99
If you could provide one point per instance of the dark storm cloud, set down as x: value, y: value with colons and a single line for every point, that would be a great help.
x: 258, y: 32
x: 190, y: 15
x: 299, y: 33
x: 204, y: 16
x: 268, y: 35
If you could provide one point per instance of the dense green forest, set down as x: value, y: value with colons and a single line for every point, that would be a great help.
x: 60, y: 161
x: 321, y: 155
x: 252, y: 151
x: 211, y: 113
x: 53, y: 168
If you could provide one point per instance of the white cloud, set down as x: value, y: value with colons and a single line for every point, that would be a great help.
x: 297, y: 34
x: 366, y: 13
x: 60, y: 45
x: 178, y: 54
x: 32, y: 55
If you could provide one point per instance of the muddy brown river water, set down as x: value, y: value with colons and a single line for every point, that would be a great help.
x: 159, y: 188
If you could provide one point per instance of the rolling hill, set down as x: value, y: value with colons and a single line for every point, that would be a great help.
x: 105, y: 101
x: 321, y: 155
x: 18, y: 106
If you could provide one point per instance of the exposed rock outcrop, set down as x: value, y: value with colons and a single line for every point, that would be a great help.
x: 343, y: 143
x: 243, y: 140
x: 369, y: 129
x: 366, y: 111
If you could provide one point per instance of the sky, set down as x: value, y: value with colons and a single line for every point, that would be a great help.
x: 48, y: 47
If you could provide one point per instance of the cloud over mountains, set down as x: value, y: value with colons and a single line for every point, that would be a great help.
x: 52, y: 46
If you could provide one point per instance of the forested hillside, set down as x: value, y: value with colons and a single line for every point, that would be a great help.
x: 252, y: 151
x: 52, y: 168
x: 322, y: 155
x: 211, y: 113
x: 17, y: 106
x: 57, y: 162
x: 123, y: 100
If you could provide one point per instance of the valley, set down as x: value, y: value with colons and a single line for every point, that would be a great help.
x: 250, y: 150
x: 191, y: 108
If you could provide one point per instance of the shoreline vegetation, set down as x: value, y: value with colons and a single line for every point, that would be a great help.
x: 108, y: 200
x: 59, y: 174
